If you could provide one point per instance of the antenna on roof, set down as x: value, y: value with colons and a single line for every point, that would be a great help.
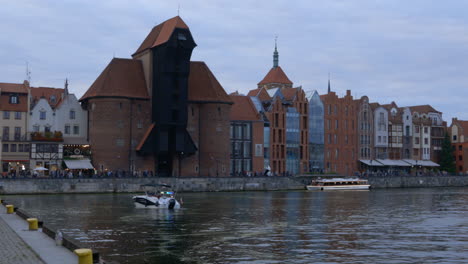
x: 28, y: 73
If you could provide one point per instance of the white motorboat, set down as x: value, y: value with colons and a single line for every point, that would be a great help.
x: 161, y: 198
x: 338, y: 184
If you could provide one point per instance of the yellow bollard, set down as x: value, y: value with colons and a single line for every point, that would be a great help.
x: 10, y: 208
x: 85, y: 255
x: 33, y: 224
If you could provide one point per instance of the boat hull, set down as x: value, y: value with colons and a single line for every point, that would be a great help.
x: 343, y: 187
x: 143, y: 201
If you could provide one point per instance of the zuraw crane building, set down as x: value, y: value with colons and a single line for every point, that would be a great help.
x: 159, y: 111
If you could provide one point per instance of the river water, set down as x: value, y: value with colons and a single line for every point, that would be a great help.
x: 377, y: 226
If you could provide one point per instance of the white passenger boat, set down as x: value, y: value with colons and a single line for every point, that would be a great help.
x: 162, y: 198
x: 338, y: 184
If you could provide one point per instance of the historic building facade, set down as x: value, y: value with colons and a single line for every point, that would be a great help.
x: 340, y: 131
x: 159, y: 111
x: 14, y: 141
x: 286, y: 109
x: 458, y: 132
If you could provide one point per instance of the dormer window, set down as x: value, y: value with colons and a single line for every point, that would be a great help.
x: 181, y: 36
x: 72, y: 114
x: 14, y: 99
x: 393, y: 111
x: 53, y: 99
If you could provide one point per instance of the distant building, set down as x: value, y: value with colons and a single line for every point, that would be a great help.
x: 159, y: 111
x: 14, y: 141
x: 316, y: 133
x: 246, y: 134
x: 458, y: 131
x: 340, y: 131
x: 58, y: 127
x: 286, y: 109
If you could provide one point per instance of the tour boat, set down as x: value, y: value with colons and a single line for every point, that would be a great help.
x: 338, y: 184
x: 161, y: 198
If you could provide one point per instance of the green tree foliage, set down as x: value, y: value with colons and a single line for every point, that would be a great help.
x: 447, y: 162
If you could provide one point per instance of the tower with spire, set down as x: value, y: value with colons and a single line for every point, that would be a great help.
x: 275, y: 78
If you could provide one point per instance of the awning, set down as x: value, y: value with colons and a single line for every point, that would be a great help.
x: 371, y: 163
x: 423, y: 163
x: 394, y: 163
x: 84, y: 164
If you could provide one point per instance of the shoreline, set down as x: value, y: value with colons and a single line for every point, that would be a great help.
x: 226, y: 184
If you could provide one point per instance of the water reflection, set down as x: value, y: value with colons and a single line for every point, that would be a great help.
x: 385, y: 226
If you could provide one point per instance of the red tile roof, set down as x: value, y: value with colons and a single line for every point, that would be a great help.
x: 6, y: 106
x: 261, y: 93
x: 121, y: 78
x: 275, y: 75
x: 289, y: 93
x: 47, y: 93
x: 423, y: 109
x: 203, y: 86
x: 145, y: 137
x: 13, y: 88
x: 243, y: 109
x: 161, y: 33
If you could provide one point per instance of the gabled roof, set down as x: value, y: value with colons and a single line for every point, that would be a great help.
x: 121, y: 78
x: 423, y: 109
x: 243, y: 109
x: 260, y: 93
x: 276, y: 75
x: 203, y: 85
x: 49, y: 94
x: 13, y: 88
x: 161, y: 33
x: 289, y: 93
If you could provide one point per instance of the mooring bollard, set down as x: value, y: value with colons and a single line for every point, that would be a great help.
x: 10, y: 208
x: 85, y: 255
x: 33, y: 224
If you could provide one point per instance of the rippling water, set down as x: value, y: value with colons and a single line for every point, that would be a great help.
x: 378, y: 226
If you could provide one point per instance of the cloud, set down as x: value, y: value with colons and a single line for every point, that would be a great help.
x: 408, y: 52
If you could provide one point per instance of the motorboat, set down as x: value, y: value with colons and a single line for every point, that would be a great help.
x: 338, y: 184
x: 161, y: 197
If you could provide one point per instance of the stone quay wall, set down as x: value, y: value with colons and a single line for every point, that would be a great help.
x: 132, y: 185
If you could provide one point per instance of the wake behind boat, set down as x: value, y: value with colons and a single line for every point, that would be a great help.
x: 338, y: 184
x: 162, y: 197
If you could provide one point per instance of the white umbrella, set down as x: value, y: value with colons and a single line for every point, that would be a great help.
x: 40, y: 169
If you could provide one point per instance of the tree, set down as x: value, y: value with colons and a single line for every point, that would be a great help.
x: 447, y: 161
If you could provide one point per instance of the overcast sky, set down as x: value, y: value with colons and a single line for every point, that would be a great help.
x: 411, y: 52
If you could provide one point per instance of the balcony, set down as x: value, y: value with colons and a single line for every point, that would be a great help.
x: 55, y: 136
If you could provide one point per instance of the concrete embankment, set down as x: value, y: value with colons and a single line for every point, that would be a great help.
x: 122, y: 185
x: 130, y: 185
x: 23, y: 245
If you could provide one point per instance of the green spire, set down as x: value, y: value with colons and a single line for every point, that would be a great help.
x: 275, y: 55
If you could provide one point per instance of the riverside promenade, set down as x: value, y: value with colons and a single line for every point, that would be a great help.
x: 18, y: 245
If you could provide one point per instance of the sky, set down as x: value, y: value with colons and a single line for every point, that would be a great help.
x: 411, y: 52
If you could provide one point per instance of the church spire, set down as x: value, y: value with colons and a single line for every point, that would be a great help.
x: 329, y: 90
x: 275, y: 55
x: 66, y: 86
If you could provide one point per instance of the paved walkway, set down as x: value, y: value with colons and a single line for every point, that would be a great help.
x: 18, y: 245
x: 12, y: 247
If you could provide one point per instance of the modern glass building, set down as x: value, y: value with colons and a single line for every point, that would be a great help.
x: 241, y: 146
x: 316, y: 133
x: 292, y: 141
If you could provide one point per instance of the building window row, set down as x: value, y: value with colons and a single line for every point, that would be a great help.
x: 16, y: 147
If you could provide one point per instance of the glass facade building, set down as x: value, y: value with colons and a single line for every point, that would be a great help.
x: 316, y: 133
x: 292, y: 141
x: 241, y: 147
